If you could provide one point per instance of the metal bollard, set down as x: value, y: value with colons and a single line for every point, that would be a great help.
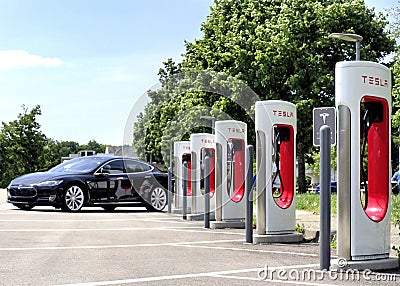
x: 249, y: 195
x: 325, y: 198
x: 206, y: 192
x: 170, y: 190
x: 185, y: 188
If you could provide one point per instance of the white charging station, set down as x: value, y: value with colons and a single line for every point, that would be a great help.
x: 202, y: 145
x: 363, y: 102
x: 275, y: 123
x: 231, y: 143
x: 182, y: 154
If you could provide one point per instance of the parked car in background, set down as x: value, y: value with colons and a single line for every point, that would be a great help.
x: 333, y: 188
x: 103, y: 181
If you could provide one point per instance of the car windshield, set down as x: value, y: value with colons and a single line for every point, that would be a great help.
x: 79, y: 165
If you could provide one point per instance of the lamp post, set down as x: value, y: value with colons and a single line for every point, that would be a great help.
x: 349, y: 38
x: 212, y: 118
x: 170, y: 177
x: 149, y: 152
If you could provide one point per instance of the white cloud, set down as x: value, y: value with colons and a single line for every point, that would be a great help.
x: 16, y: 59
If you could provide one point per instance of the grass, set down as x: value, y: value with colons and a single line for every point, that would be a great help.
x: 396, y: 219
x: 396, y: 208
x: 310, y: 202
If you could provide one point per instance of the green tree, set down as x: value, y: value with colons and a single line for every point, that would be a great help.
x: 54, y: 150
x: 148, y: 129
x: 94, y: 146
x: 25, y: 149
x: 22, y: 144
x: 281, y: 50
x: 395, y: 30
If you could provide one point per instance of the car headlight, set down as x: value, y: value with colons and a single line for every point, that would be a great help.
x: 50, y: 183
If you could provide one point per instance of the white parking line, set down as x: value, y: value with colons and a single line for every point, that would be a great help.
x: 252, y: 250
x: 157, y: 278
x: 88, y: 229
x: 273, y: 280
x: 157, y: 220
x: 78, y: 220
x: 93, y: 212
x: 91, y: 220
x: 116, y: 246
x: 176, y: 229
x: 220, y: 274
x: 189, y: 244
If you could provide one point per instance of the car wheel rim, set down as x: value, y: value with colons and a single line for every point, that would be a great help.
x: 74, y: 198
x: 158, y: 199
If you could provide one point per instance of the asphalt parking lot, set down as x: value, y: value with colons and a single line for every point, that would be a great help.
x: 134, y: 247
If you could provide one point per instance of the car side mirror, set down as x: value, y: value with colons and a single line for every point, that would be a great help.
x: 103, y: 172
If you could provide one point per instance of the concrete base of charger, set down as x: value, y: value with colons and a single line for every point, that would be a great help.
x: 179, y: 211
x: 227, y: 224
x: 199, y: 217
x: 278, y: 238
x: 374, y: 265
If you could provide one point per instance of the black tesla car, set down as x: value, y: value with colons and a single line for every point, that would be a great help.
x: 104, y: 181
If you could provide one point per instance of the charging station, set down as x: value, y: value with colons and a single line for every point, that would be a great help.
x: 201, y: 145
x: 363, y: 103
x: 275, y: 123
x: 182, y: 154
x: 231, y: 142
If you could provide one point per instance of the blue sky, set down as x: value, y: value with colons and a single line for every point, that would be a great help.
x: 86, y: 62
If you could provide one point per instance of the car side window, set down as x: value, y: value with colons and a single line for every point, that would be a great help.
x: 116, y: 167
x: 136, y: 167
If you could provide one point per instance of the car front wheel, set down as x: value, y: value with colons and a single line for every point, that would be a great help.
x: 158, y: 199
x: 73, y: 199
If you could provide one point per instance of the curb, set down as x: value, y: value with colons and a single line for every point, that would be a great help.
x: 312, y: 235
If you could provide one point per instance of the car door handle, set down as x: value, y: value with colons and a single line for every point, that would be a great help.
x: 120, y: 178
x: 147, y: 177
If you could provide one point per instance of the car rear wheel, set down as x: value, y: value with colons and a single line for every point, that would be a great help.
x: 158, y: 199
x: 73, y: 199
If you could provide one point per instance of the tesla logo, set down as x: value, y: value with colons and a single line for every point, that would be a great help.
x: 283, y: 113
x: 324, y: 116
x: 373, y: 80
x: 207, y: 141
x: 235, y: 130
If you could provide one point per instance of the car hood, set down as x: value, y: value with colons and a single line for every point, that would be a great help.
x: 34, y: 178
